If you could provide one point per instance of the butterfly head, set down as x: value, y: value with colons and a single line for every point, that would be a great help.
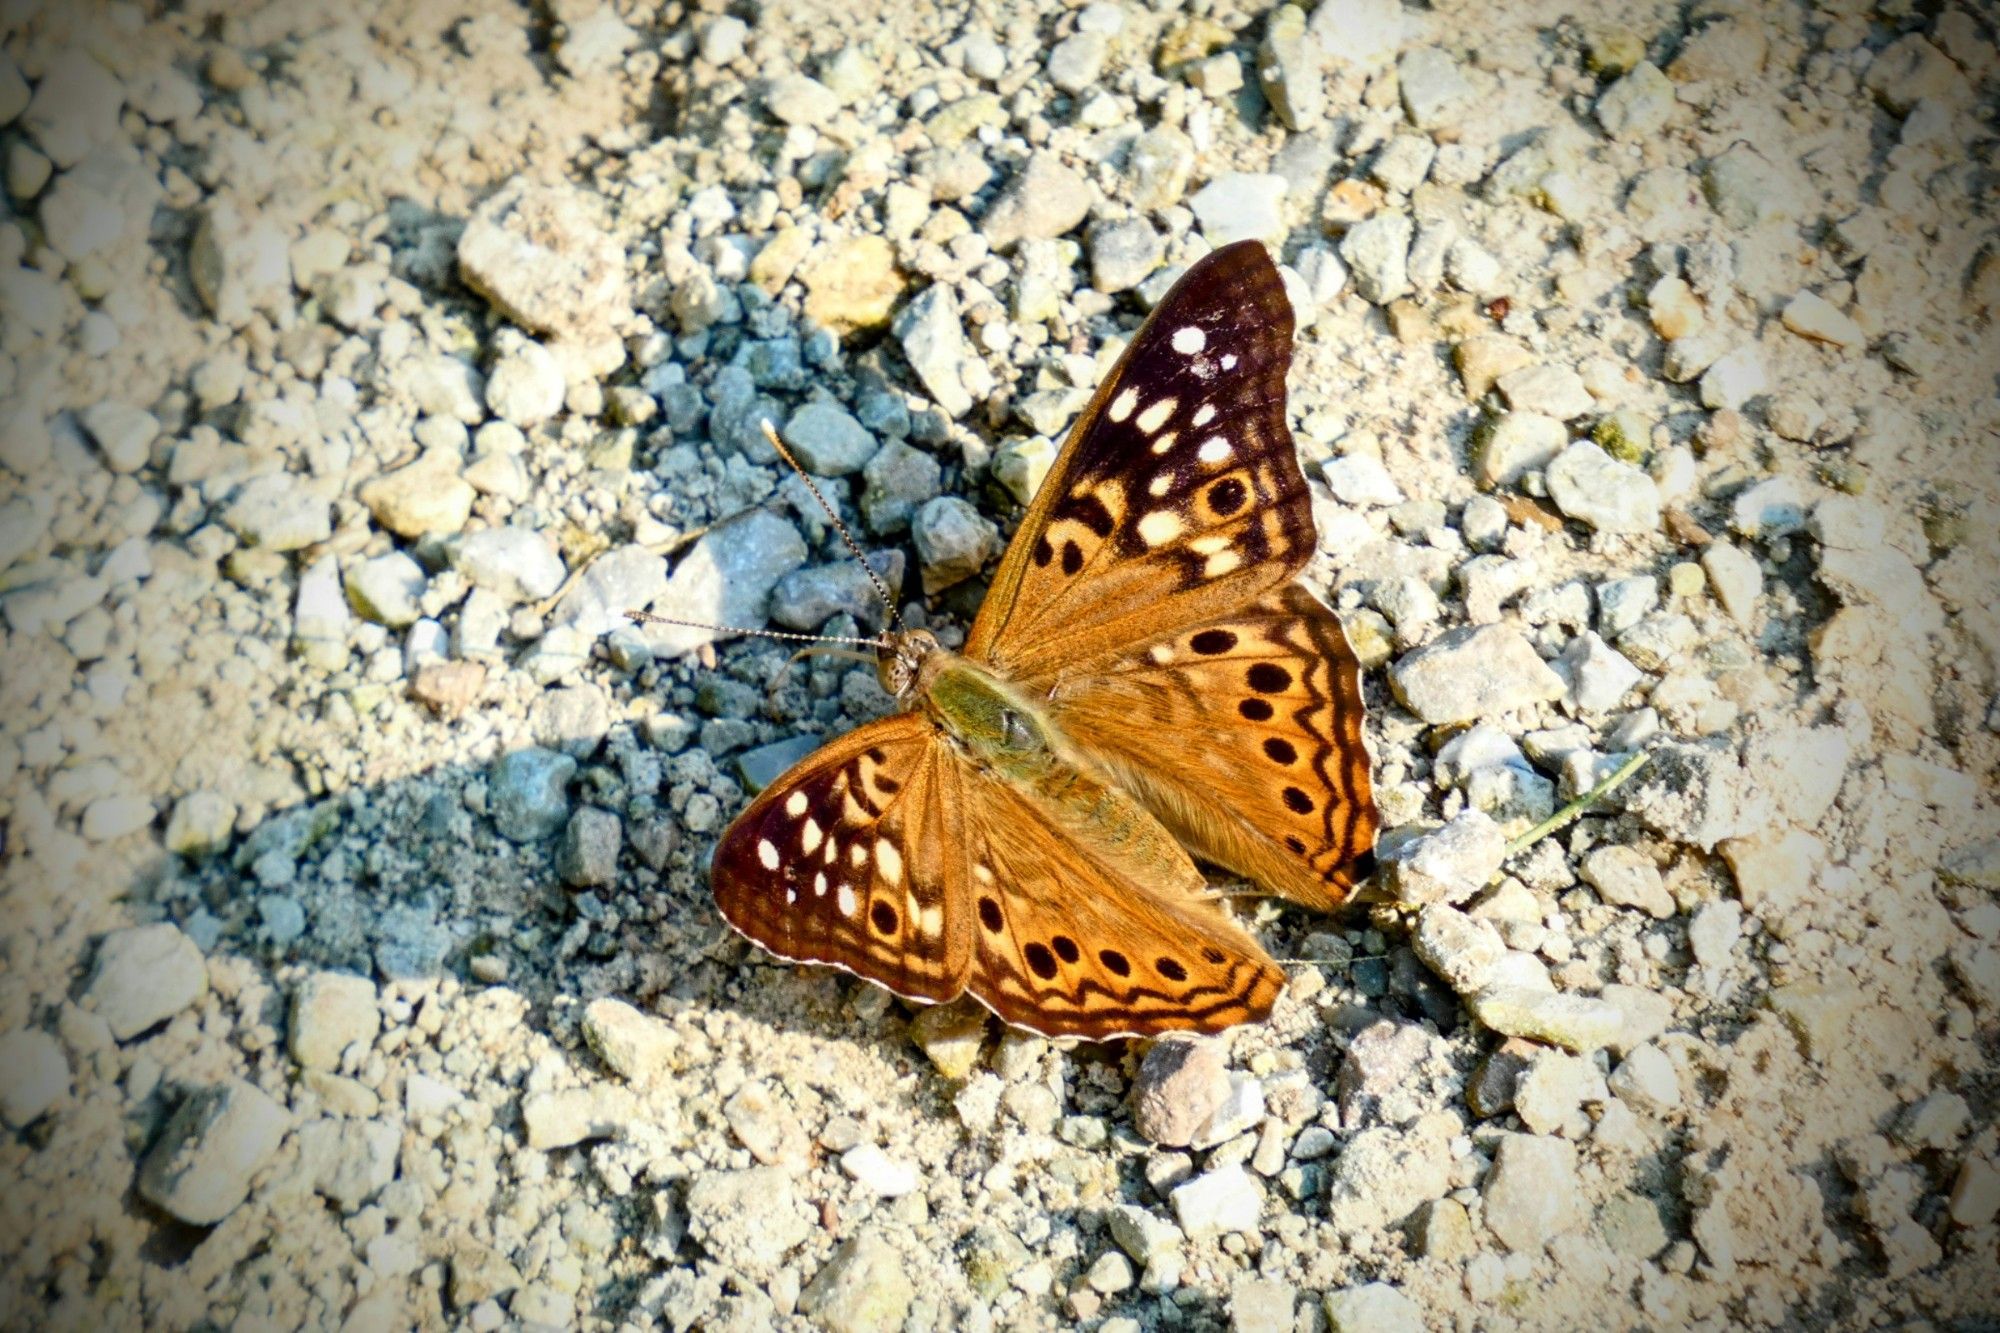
x: 906, y: 662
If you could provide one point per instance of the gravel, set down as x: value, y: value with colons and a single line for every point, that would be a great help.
x: 362, y: 967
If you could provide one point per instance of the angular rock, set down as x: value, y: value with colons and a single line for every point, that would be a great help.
x: 218, y: 1139
x: 1532, y: 1194
x: 933, y: 341
x: 1045, y: 199
x: 539, y: 255
x: 331, y: 1012
x: 1476, y: 672
x: 864, y: 1288
x: 145, y: 975
x: 724, y: 580
x: 953, y: 541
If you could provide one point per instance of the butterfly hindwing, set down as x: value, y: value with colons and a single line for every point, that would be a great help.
x: 1177, y: 495
x: 849, y: 859
x: 1244, y: 736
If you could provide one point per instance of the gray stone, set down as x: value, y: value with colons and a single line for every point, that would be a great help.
x: 1180, y: 1085
x: 1626, y: 877
x: 1623, y: 603
x: 201, y: 824
x: 953, y: 542
x: 588, y: 854
x: 217, y: 1141
x: 515, y: 564
x: 933, y: 341
x: 1378, y: 1073
x: 351, y: 1160
x: 1461, y: 949
x: 526, y: 385
x: 1532, y: 1194
x: 239, y: 265
x: 1157, y: 166
x: 1736, y: 580
x: 1637, y: 105
x: 1240, y: 205
x: 124, y: 433
x: 320, y: 616
x: 1360, y: 34
x: 1472, y: 673
x: 749, y: 1218
x: 74, y: 108
x: 1599, y: 675
x: 1552, y: 391
x: 1713, y: 933
x: 1223, y: 1200
x: 795, y: 99
x: 1075, y: 62
x: 766, y: 1126
x: 1262, y: 1305
x: 806, y: 599
x: 1141, y: 1234
x: 279, y: 512
x: 1449, y: 864
x: 569, y: 1116
x: 1550, y: 1093
x: 1377, y: 252
x: 828, y: 441
x: 1647, y: 1081
x: 1290, y: 68
x: 1403, y: 162
x: 527, y: 792
x: 1591, y: 486
x: 37, y: 1076
x: 623, y: 578
x: 427, y: 498
x: 1436, y: 93
x: 639, y: 1047
x: 725, y: 580
x: 1373, y: 1307
x: 1514, y: 443
x: 1123, y: 254
x: 331, y: 1012
x: 387, y: 589
x: 538, y: 253
x: 897, y: 480
x: 1734, y: 378
x: 760, y: 767
x: 1045, y: 199
x: 863, y: 1288
x: 723, y: 38
x: 145, y: 975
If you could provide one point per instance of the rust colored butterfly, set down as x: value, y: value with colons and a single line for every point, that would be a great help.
x: 1144, y: 680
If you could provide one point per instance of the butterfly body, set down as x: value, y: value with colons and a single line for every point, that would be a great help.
x: 1144, y: 679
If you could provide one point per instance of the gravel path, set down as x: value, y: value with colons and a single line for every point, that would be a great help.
x: 359, y: 365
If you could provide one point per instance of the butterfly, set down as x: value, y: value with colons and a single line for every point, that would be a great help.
x: 1146, y: 679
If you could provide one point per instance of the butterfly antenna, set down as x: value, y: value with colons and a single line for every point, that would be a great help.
x: 648, y: 618
x: 833, y: 516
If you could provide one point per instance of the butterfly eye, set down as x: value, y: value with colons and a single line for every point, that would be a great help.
x: 1014, y: 731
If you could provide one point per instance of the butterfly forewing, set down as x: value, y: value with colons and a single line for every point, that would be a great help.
x: 1177, y: 496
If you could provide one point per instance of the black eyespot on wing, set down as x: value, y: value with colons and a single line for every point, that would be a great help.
x: 1297, y: 801
x: 1040, y: 961
x: 1256, y: 710
x: 989, y: 915
x: 1090, y: 511
x: 884, y: 917
x: 1212, y: 641
x: 1114, y: 962
x: 888, y: 784
x: 1227, y: 496
x: 1065, y: 948
x: 1043, y: 552
x: 1072, y: 558
x: 1280, y: 750
x: 1171, y: 969
x: 1269, y: 678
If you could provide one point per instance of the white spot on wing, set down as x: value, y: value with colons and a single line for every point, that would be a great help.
x: 1187, y: 341
x: 809, y: 836
x: 1229, y: 360
x: 888, y: 860
x: 819, y: 885
x: 795, y: 804
x: 1166, y: 441
x: 846, y: 900
x: 1204, y: 414
x: 767, y: 855
x: 1122, y: 405
x: 791, y: 896
x: 1213, y: 449
x: 1160, y: 485
x: 1156, y: 414
x: 1160, y: 653
x: 857, y: 856
x: 1221, y: 563
x: 1162, y: 525
x: 1209, y: 545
